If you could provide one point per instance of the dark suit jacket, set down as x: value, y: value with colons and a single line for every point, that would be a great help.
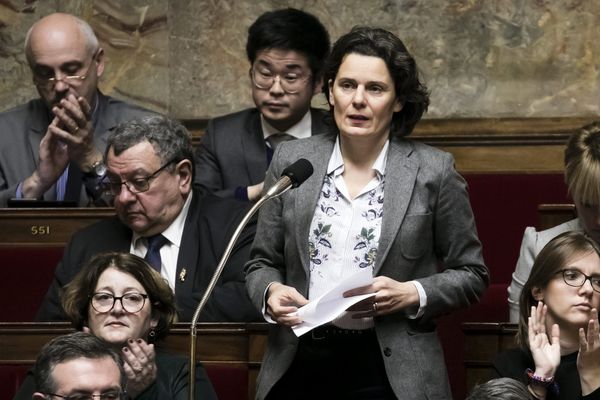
x: 233, y: 151
x: 22, y: 129
x: 210, y: 223
x: 172, y: 375
x: 427, y: 234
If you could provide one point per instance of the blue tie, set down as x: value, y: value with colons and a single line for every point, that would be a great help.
x: 153, y: 254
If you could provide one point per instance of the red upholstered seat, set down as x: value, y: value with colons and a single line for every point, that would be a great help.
x: 26, y: 276
x: 503, y: 204
x: 229, y: 382
x: 11, y: 377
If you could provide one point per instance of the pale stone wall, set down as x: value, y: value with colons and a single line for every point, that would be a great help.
x: 479, y: 58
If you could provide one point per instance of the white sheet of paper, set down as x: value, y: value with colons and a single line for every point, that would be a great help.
x: 331, y: 304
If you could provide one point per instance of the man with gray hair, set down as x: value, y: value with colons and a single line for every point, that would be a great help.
x: 78, y: 365
x: 51, y: 147
x: 180, y: 232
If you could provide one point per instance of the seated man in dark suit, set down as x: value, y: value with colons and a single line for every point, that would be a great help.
x: 78, y: 365
x: 51, y: 147
x: 286, y: 49
x: 161, y: 218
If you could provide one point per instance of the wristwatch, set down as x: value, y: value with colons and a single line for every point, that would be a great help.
x: 98, y: 170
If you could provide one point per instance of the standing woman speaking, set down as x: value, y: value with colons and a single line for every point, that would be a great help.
x: 376, y: 200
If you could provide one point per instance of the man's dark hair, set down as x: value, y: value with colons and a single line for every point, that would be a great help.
x: 290, y: 29
x: 170, y: 139
x: 376, y: 42
x: 71, y: 347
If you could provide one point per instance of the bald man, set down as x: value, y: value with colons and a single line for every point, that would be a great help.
x: 51, y: 147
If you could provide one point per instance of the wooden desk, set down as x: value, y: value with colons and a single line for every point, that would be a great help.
x: 551, y: 215
x: 221, y: 344
x: 31, y: 245
x: 45, y: 226
x: 483, y: 340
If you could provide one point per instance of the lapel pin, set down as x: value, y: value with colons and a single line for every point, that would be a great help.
x: 182, y: 275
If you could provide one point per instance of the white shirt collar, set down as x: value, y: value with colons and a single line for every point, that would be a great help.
x: 174, y: 232
x: 336, y: 161
x: 301, y: 130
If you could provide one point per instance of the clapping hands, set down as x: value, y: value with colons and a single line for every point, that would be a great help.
x: 545, y: 350
x: 140, y: 367
x: 588, y: 359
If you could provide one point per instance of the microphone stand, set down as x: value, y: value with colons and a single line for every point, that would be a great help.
x: 280, y: 187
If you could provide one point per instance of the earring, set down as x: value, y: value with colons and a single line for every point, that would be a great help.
x: 151, y: 336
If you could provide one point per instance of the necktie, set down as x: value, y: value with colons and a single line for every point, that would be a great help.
x: 153, y: 254
x: 277, y: 138
x: 74, y: 182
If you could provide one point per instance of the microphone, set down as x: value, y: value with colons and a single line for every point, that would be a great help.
x: 291, y: 177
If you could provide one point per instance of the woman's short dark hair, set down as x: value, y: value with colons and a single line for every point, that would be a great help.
x: 75, y: 297
x: 552, y: 258
x: 380, y: 43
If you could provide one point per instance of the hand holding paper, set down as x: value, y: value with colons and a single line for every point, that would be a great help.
x: 333, y: 303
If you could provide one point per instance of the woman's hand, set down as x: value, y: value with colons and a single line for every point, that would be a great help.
x: 545, y: 351
x: 390, y: 296
x: 283, y: 302
x: 588, y: 359
x: 139, y: 365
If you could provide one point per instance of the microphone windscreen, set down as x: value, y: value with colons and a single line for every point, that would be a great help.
x: 298, y: 172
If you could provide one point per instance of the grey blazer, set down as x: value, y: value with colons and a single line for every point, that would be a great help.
x: 22, y: 129
x: 233, y: 151
x: 533, y: 242
x: 428, y: 234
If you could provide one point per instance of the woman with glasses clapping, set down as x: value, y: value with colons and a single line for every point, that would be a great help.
x: 119, y: 298
x: 559, y: 354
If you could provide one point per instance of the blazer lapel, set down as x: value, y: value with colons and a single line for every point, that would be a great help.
x: 307, y: 194
x: 188, y: 252
x: 254, y: 149
x: 399, y: 185
x: 103, y: 122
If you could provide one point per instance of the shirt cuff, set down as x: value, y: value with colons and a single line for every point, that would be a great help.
x: 241, y: 193
x: 263, y: 309
x: 422, y: 302
x: 19, y: 191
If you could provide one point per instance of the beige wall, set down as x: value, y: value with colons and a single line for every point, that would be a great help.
x: 479, y: 58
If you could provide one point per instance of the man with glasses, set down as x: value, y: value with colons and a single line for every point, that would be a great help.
x: 180, y: 232
x: 78, y: 366
x: 51, y: 147
x: 286, y: 49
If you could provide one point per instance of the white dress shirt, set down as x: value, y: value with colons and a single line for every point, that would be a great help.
x: 170, y: 251
x: 302, y: 129
x: 344, y: 234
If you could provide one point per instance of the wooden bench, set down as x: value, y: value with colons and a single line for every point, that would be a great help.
x: 230, y: 352
x: 483, y: 341
x: 551, y: 215
x: 486, y: 339
x: 31, y: 245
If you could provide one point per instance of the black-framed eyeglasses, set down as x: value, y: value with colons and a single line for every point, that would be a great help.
x: 110, y: 395
x: 291, y: 82
x: 136, y: 185
x: 71, y: 80
x: 575, y: 278
x: 130, y: 302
